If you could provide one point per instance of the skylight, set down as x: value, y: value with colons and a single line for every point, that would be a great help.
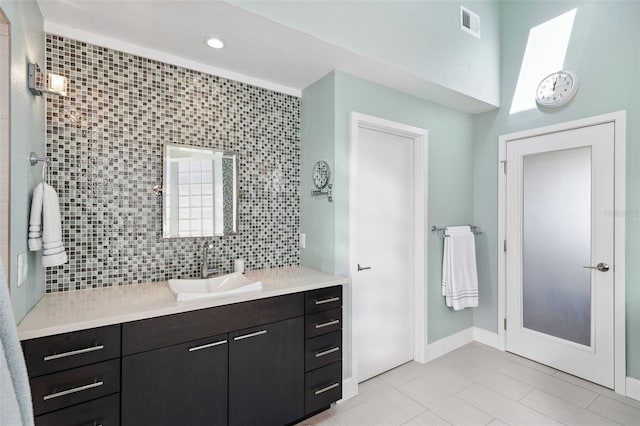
x: 545, y: 53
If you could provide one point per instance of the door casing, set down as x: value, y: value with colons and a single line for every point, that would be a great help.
x: 619, y: 120
x: 420, y: 141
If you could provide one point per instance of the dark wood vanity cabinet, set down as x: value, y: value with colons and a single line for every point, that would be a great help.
x: 323, y: 348
x: 75, y: 377
x: 182, y: 384
x: 266, y: 374
x: 269, y: 361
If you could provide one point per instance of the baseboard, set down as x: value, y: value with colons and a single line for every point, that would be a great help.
x: 349, y: 389
x: 486, y: 337
x: 447, y: 344
x: 633, y: 388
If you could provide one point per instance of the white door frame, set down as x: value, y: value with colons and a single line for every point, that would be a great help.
x: 420, y: 142
x: 619, y: 121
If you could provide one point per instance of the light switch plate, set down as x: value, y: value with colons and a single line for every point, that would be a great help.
x: 23, y: 268
x: 303, y: 240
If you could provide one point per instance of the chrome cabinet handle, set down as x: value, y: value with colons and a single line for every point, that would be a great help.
x: 246, y: 336
x: 602, y: 267
x: 323, y: 301
x: 72, y: 390
x: 328, y: 388
x: 327, y: 352
x: 72, y: 353
x: 328, y: 323
x: 208, y: 345
x: 363, y: 268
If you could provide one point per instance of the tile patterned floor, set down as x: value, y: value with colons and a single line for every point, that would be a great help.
x: 479, y: 385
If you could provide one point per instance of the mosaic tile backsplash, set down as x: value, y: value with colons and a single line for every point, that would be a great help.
x: 105, y: 141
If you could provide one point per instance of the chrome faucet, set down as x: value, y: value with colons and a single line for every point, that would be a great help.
x: 206, y: 271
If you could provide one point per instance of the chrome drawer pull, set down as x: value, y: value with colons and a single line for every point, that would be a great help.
x: 328, y: 351
x: 72, y: 353
x: 208, y: 345
x: 246, y: 336
x: 327, y: 324
x: 323, y: 301
x: 328, y: 388
x: 74, y: 390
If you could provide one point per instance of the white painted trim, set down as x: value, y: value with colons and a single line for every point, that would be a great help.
x: 156, y: 55
x: 447, y: 344
x: 486, y: 337
x: 420, y: 138
x: 633, y: 388
x: 619, y: 223
x: 619, y: 120
x: 349, y: 389
x: 502, y: 236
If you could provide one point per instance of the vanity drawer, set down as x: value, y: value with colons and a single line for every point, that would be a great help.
x: 154, y: 333
x: 59, y: 390
x: 323, y: 350
x: 322, y: 387
x: 323, y: 323
x: 323, y: 299
x: 102, y: 411
x: 63, y: 351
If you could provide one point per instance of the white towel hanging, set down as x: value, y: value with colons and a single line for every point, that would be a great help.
x: 459, y: 270
x: 45, y: 224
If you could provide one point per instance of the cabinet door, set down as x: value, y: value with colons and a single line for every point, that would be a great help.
x: 266, y: 374
x: 179, y: 385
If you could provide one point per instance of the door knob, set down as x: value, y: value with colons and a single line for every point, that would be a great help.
x: 363, y: 268
x: 602, y: 267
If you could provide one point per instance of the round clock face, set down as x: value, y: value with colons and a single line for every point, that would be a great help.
x: 557, y: 89
x: 321, y: 174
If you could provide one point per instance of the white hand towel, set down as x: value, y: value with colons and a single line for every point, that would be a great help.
x: 54, y: 253
x: 35, y: 219
x: 459, y: 271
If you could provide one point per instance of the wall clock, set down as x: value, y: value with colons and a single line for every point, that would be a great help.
x: 557, y: 89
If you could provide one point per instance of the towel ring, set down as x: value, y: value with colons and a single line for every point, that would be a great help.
x: 34, y: 159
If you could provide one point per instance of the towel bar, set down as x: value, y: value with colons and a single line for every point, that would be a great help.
x: 474, y: 229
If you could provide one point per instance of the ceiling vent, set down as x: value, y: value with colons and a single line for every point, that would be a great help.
x: 469, y: 22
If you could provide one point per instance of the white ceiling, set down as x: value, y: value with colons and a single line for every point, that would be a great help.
x: 258, y: 51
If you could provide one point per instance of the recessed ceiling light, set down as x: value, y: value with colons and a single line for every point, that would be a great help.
x: 214, y: 42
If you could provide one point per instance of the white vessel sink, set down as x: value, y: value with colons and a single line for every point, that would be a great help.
x: 221, y: 286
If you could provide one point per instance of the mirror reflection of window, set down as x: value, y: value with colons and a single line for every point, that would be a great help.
x: 200, y: 192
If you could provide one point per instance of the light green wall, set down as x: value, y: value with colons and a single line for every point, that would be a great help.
x: 449, y: 179
x: 419, y: 37
x: 27, y: 134
x: 330, y: 101
x: 605, y: 53
x: 450, y: 167
x: 316, y: 212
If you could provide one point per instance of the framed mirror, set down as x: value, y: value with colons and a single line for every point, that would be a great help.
x: 200, y: 192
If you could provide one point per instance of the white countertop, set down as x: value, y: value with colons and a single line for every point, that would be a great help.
x: 67, y: 311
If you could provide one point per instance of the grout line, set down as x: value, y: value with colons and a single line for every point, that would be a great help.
x: 533, y: 388
x: 591, y: 403
x: 468, y: 386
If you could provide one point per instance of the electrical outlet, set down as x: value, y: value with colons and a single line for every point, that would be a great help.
x: 23, y: 268
x: 303, y: 240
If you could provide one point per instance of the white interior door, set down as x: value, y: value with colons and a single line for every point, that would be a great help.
x: 383, y: 295
x: 560, y: 227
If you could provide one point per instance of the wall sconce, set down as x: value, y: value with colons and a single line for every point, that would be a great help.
x: 55, y: 83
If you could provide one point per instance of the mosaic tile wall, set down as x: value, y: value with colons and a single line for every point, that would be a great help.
x: 105, y: 141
